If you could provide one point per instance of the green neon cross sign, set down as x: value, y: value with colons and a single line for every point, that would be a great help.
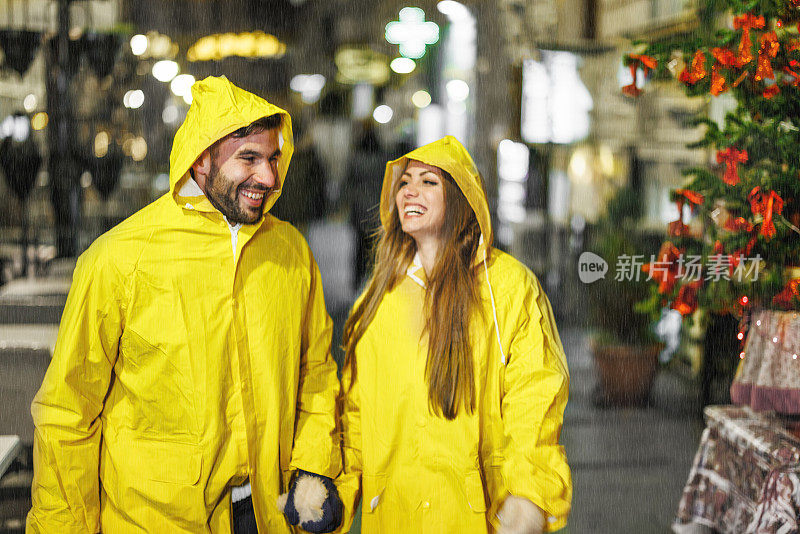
x: 412, y: 32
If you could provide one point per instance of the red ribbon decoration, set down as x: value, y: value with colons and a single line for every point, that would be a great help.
x: 686, y: 301
x: 694, y: 198
x: 741, y: 78
x: 771, y: 91
x: 738, y: 224
x: 666, y: 278
x: 746, y: 23
x: 698, y: 70
x: 767, y: 50
x: 724, y: 56
x: 789, y: 293
x: 794, y: 74
x: 718, y: 84
x: 766, y: 206
x: 634, y: 62
x: 677, y: 228
x: 731, y: 157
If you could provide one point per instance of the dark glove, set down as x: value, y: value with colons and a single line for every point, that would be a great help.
x: 313, y: 503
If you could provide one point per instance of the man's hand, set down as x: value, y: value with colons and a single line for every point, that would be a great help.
x: 312, y: 502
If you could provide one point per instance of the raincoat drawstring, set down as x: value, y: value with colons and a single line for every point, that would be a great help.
x: 494, y: 307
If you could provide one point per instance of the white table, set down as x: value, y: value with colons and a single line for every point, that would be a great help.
x: 29, y: 336
x: 9, y: 448
x: 25, y: 353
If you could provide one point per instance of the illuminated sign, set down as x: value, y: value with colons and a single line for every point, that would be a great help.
x: 361, y: 65
x: 247, y: 44
x: 412, y: 32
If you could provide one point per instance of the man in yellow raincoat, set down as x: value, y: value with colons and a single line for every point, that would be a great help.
x: 193, y: 359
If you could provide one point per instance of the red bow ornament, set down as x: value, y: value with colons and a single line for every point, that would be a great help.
x: 731, y: 156
x: 666, y: 278
x: 694, y: 198
x: 766, y: 205
x: 788, y: 296
x: 738, y: 224
x: 746, y: 23
x: 647, y: 63
x: 677, y: 228
x: 686, y: 301
x: 718, y: 83
x: 767, y: 50
x: 771, y: 91
x: 697, y: 71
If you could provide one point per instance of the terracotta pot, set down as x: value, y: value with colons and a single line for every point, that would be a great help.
x: 625, y: 372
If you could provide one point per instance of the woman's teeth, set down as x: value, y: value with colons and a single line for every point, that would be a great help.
x: 413, y: 210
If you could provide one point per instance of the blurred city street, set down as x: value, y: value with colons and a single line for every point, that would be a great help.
x: 583, y: 141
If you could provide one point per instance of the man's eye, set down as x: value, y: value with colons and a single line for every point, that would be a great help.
x: 249, y: 159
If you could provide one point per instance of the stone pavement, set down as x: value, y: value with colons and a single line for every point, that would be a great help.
x: 628, y: 465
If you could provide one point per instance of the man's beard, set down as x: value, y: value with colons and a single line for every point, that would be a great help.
x: 224, y: 195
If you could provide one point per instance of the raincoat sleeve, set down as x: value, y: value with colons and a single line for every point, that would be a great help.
x: 349, y: 482
x: 66, y: 450
x: 316, y: 446
x: 535, y: 390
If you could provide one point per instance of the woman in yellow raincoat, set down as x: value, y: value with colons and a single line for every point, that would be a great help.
x: 455, y: 382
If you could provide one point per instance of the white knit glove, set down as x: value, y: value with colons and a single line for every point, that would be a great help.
x: 518, y: 515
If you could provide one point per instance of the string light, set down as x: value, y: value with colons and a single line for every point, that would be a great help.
x: 740, y: 336
x: 744, y: 300
x: 741, y: 355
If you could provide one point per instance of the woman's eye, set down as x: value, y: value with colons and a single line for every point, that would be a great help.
x: 403, y: 183
x: 431, y: 182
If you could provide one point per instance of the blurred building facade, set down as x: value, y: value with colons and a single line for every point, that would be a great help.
x: 531, y: 86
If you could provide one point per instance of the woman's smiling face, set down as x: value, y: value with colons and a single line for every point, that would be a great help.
x: 420, y: 200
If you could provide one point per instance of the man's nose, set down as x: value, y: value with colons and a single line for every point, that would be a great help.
x: 266, y: 175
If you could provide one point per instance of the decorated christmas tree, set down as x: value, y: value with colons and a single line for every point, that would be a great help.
x: 735, y: 245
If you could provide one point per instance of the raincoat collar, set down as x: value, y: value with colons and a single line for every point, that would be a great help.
x: 450, y: 155
x: 416, y: 272
x: 218, y: 109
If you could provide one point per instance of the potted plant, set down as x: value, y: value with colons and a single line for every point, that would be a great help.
x: 624, y: 346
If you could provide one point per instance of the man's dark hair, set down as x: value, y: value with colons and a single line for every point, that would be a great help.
x: 259, y: 125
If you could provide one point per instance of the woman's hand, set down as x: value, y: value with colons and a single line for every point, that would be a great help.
x: 518, y: 515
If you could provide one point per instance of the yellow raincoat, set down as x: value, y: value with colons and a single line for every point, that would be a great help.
x: 189, y: 358
x: 420, y: 472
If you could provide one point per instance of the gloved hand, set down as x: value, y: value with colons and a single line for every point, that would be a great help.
x: 312, y: 502
x: 518, y: 515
